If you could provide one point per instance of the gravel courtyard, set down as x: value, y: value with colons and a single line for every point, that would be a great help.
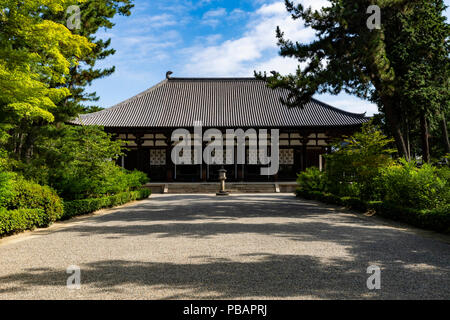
x: 268, y: 246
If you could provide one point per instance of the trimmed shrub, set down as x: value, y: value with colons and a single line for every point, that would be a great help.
x: 30, y: 195
x: 354, y: 204
x: 432, y: 219
x: 312, y: 180
x: 302, y: 193
x: 85, y: 206
x: 355, y: 163
x: 6, y: 187
x: 413, y: 187
x: 330, y: 198
x: 319, y: 196
x: 13, y: 221
x: 435, y: 219
x: 105, y: 180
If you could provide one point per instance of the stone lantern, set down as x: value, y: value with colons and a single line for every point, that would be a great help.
x: 222, y: 178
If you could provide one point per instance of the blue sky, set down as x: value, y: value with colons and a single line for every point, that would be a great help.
x: 205, y: 38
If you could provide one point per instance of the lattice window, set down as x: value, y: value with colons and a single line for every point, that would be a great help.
x: 252, y: 157
x: 157, y: 157
x: 287, y: 156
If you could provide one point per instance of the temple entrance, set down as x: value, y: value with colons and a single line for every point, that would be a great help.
x: 157, y: 163
x: 212, y: 172
x: 188, y: 173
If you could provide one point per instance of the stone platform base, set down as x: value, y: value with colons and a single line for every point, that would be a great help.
x: 214, y: 187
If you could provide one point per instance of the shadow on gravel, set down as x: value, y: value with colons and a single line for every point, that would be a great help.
x: 193, y: 207
x: 413, y: 267
x: 276, y: 276
x: 364, y: 239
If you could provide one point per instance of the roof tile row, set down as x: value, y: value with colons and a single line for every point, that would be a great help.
x: 219, y: 102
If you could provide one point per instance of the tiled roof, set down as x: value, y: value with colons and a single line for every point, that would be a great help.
x: 217, y: 102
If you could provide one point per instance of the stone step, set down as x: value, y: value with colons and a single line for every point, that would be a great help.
x: 177, y: 188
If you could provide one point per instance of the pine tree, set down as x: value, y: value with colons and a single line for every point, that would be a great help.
x: 394, y: 66
x: 94, y: 14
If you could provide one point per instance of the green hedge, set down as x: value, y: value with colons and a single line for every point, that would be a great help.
x: 85, y: 206
x: 31, y: 206
x: 432, y: 219
x: 13, y: 221
x: 30, y: 195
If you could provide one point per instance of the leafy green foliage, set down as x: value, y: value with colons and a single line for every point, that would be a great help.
x: 6, y: 187
x: 49, y: 209
x: 434, y: 219
x: 312, y: 179
x: 85, y: 206
x: 409, y: 186
x: 79, y: 162
x: 30, y: 195
x: 44, y: 69
x: 13, y: 221
x: 362, y: 170
x: 356, y: 162
x: 6, y: 180
x: 403, y: 67
x: 95, y: 15
x: 421, y: 57
x: 34, y: 53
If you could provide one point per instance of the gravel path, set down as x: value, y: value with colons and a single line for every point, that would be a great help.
x: 244, y: 246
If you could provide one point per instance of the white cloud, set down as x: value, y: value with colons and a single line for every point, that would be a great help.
x: 219, y: 12
x: 163, y: 20
x: 148, y: 46
x: 209, y: 40
x: 221, y: 16
x: 276, y: 8
x: 214, y: 17
x: 278, y: 63
x: 314, y: 4
x: 257, y: 50
x: 256, y: 47
x: 237, y: 14
x: 140, y: 47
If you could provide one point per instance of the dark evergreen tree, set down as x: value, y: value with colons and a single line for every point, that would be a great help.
x: 94, y: 14
x: 402, y: 66
x: 420, y: 54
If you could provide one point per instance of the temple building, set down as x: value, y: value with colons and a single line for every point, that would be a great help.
x: 146, y: 122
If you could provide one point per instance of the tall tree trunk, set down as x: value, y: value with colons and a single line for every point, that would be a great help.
x: 445, y: 134
x: 425, y: 137
x: 28, y: 145
x: 408, y: 139
x: 395, y: 124
x: 18, y: 145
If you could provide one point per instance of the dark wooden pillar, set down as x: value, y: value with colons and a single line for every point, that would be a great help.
x: 204, y: 166
x: 241, y: 174
x: 140, y: 154
x: 170, y: 167
x: 204, y: 177
x: 304, y: 153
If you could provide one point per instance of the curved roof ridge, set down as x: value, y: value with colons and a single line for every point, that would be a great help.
x: 213, y: 79
x: 360, y: 115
